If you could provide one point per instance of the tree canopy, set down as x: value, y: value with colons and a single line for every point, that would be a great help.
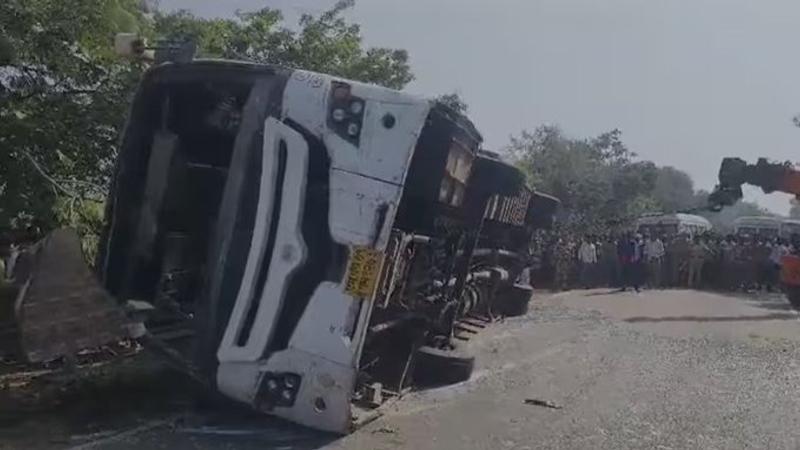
x: 326, y: 43
x: 602, y: 184
x: 64, y: 94
x: 598, y: 180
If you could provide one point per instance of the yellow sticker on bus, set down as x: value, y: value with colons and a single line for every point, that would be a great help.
x: 362, y: 273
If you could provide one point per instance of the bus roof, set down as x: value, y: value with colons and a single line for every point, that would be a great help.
x: 757, y: 221
x: 667, y: 219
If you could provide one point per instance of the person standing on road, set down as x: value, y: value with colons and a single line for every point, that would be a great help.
x: 697, y: 256
x: 763, y: 265
x: 624, y: 256
x: 727, y: 269
x: 630, y: 254
x: 610, y: 262
x: 639, y: 262
x: 654, y: 253
x: 779, y: 250
x: 711, y: 268
x: 587, y: 257
x: 563, y: 262
x: 678, y: 252
x: 747, y: 263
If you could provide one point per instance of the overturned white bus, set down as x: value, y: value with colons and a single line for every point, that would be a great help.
x: 311, y: 240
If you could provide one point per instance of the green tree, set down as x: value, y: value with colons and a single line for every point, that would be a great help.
x: 674, y: 190
x: 326, y: 43
x: 62, y: 97
x: 64, y: 94
x: 453, y: 101
x: 598, y: 181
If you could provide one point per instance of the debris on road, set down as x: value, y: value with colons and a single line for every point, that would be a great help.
x: 543, y: 403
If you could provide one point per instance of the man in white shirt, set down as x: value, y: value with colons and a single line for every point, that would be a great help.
x: 654, y: 255
x: 779, y: 250
x: 587, y: 257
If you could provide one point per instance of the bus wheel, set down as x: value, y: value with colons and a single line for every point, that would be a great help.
x: 515, y: 299
x: 438, y: 367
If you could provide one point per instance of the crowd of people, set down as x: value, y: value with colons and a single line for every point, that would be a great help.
x: 633, y: 261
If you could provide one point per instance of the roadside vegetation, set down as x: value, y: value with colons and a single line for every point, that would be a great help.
x: 64, y: 95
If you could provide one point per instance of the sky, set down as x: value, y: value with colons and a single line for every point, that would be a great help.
x: 687, y: 81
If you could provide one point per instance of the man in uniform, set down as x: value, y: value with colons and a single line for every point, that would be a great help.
x: 654, y: 254
x: 746, y: 263
x: 609, y: 262
x: 563, y: 256
x: 697, y: 257
x: 587, y: 258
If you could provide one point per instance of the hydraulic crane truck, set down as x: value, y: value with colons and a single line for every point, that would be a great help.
x: 313, y: 241
x: 770, y: 177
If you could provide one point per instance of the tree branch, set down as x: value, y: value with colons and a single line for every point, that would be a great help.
x: 53, y: 181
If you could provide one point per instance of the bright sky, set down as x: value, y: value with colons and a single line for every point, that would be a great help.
x: 687, y: 81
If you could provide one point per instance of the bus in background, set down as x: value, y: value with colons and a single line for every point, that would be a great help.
x: 789, y: 227
x: 762, y: 226
x: 672, y: 224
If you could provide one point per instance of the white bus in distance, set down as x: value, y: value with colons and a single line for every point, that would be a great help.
x: 766, y: 226
x: 762, y: 226
x: 672, y: 224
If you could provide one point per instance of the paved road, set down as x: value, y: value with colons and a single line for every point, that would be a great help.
x: 657, y: 370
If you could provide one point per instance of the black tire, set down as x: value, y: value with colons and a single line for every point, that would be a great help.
x: 514, y: 300
x: 436, y: 367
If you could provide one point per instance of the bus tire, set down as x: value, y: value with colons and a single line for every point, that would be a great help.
x: 515, y: 300
x: 437, y: 367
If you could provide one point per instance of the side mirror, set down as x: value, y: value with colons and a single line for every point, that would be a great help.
x: 130, y: 45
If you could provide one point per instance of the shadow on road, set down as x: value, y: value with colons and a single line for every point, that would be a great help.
x: 602, y: 292
x: 773, y: 316
x: 137, y: 403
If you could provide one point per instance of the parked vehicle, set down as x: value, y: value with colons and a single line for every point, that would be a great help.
x: 672, y: 224
x: 762, y: 226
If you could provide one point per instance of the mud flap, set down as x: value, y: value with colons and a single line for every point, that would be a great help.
x: 61, y: 307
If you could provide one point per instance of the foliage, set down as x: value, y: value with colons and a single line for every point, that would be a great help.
x: 62, y: 97
x: 674, y: 190
x: 454, y: 102
x: 598, y: 181
x: 64, y: 94
x: 326, y: 43
x: 604, y: 188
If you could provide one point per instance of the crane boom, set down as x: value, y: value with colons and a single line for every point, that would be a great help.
x: 770, y: 177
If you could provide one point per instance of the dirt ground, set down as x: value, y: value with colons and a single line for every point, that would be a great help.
x: 584, y: 369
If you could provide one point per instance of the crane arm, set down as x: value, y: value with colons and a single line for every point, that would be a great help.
x: 769, y: 176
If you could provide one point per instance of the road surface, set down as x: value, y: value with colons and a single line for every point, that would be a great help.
x: 656, y: 370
